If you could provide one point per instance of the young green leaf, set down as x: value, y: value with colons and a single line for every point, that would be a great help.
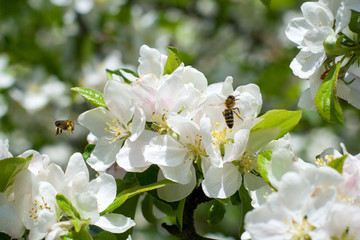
x: 338, y: 163
x: 67, y: 206
x: 173, y: 61
x: 147, y: 208
x: 81, y: 235
x: 105, y: 236
x: 263, y: 163
x: 354, y: 24
x: 286, y: 120
x: 216, y: 213
x: 92, y: 96
x: 180, y: 213
x: 88, y: 150
x: 326, y: 101
x: 124, y: 195
x: 9, y: 167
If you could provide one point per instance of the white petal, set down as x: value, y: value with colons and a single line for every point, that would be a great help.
x: 342, y: 17
x: 197, y: 78
x: 76, y: 165
x: 118, y: 99
x: 306, y: 63
x: 234, y: 151
x: 180, y: 173
x: 104, y: 188
x: 165, y: 150
x: 187, y: 129
x: 177, y: 191
x: 221, y: 182
x: 227, y: 88
x: 104, y: 154
x: 115, y: 223
x: 317, y: 15
x: 131, y: 155
x: 138, y: 124
x: 297, y: 29
x: 95, y: 120
x: 151, y: 61
x: 305, y: 101
x: 86, y: 204
x: 10, y: 223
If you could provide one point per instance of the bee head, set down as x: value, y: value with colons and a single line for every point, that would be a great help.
x: 57, y: 123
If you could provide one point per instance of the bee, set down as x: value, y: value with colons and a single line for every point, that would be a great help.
x: 229, y: 111
x: 66, y: 125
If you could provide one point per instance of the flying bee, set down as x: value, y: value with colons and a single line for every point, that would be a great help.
x: 229, y: 111
x: 66, y: 125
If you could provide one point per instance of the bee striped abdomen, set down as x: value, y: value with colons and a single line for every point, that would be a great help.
x: 229, y: 117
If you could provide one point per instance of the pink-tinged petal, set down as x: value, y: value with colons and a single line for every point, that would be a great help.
x: 115, y: 223
x: 194, y: 77
x: 104, y: 154
x: 151, y: 61
x: 221, y: 182
x: 119, y: 101
x: 297, y: 29
x: 131, y: 155
x: 177, y: 191
x: 180, y: 173
x: 306, y: 63
x: 95, y: 120
x: 104, y: 188
x: 165, y: 150
x: 76, y: 165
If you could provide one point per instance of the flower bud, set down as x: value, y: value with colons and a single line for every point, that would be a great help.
x: 332, y: 47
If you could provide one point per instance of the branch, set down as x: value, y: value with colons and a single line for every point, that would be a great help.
x: 188, y: 231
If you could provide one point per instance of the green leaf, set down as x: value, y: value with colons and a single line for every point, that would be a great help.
x: 81, y: 235
x: 263, y: 163
x: 260, y: 138
x: 92, y: 96
x: 9, y: 167
x: 266, y: 2
x: 326, y: 101
x: 354, y: 24
x: 119, y: 73
x: 338, y: 163
x: 245, y: 206
x: 88, y: 150
x: 129, y: 193
x: 216, y: 213
x: 173, y: 61
x: 150, y: 176
x: 180, y: 213
x: 105, y: 236
x: 67, y: 206
x: 286, y: 120
x: 147, y: 208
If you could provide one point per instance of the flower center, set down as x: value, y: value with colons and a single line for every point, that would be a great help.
x: 117, y: 130
x: 300, y: 230
x: 38, y: 206
x: 324, y: 162
x: 159, y: 123
x: 219, y: 135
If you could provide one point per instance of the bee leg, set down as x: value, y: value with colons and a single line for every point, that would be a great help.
x: 237, y: 113
x: 57, y: 131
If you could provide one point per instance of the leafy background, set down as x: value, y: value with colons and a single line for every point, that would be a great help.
x: 46, y: 49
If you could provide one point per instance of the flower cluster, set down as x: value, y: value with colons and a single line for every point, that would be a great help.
x: 174, y: 120
x: 32, y: 201
x: 327, y: 34
x: 312, y: 201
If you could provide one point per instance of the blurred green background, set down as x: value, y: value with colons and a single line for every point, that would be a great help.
x: 49, y: 46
